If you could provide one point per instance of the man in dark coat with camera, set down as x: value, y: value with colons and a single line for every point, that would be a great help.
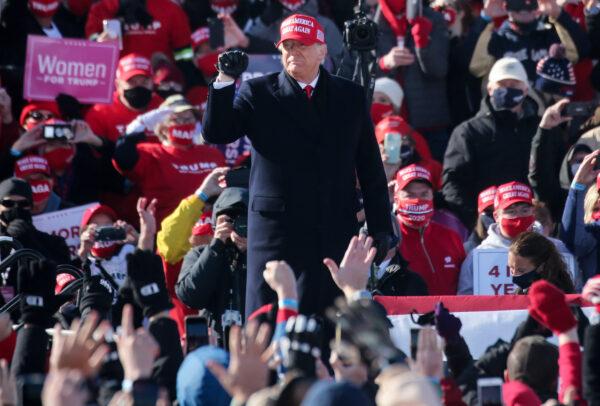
x: 312, y: 136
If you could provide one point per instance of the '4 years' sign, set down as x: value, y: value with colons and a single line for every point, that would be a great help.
x: 491, y: 275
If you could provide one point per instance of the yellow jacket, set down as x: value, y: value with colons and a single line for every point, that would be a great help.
x: 173, y: 238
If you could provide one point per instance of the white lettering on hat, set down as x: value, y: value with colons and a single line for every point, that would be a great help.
x: 44, y: 7
x: 298, y: 20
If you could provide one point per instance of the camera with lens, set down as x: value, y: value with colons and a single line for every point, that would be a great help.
x: 360, y: 34
x: 240, y: 225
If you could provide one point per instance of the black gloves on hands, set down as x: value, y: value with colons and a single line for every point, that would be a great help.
x: 146, y: 279
x: 35, y: 282
x: 232, y: 63
x: 96, y: 294
x: 301, y: 345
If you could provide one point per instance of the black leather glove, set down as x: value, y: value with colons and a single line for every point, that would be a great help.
x: 232, y: 63
x: 96, y: 294
x: 36, y: 281
x: 147, y: 281
x: 69, y: 107
x: 381, y: 241
x: 20, y: 229
x: 301, y: 345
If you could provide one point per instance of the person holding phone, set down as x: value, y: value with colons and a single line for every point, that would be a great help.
x: 413, y: 47
x: 302, y: 199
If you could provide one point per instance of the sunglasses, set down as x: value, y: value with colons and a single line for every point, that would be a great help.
x: 9, y: 204
x: 39, y: 116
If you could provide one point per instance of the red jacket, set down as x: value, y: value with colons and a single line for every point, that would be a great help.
x: 436, y: 253
x: 171, y: 174
x: 110, y: 120
x: 169, y: 31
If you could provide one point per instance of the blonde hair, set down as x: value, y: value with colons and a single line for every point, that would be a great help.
x: 591, y: 198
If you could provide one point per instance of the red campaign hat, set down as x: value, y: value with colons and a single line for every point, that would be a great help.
x: 97, y: 209
x: 486, y: 199
x: 410, y: 173
x: 204, y: 225
x: 38, y: 105
x: 62, y: 281
x: 31, y: 164
x: 133, y: 64
x: 511, y: 193
x: 303, y: 28
x: 200, y: 36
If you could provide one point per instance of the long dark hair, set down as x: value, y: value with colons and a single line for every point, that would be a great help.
x: 542, y: 253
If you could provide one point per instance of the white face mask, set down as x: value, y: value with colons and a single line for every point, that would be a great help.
x: 575, y: 168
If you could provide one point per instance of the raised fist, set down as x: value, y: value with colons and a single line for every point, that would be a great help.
x: 232, y: 63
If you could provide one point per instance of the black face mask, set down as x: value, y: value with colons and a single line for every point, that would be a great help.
x: 16, y: 213
x: 524, y: 281
x: 138, y: 97
x: 506, y: 98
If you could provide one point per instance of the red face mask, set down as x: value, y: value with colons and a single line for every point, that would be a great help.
x: 596, y: 215
x: 59, y: 158
x: 207, y: 64
x: 104, y: 249
x: 181, y: 134
x: 415, y: 213
x: 41, y: 190
x: 43, y: 8
x: 379, y: 111
x: 292, y: 5
x: 513, y: 227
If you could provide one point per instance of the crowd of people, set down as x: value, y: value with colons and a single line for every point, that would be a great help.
x: 487, y: 123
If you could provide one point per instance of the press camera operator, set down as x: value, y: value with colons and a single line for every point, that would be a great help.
x: 213, y: 277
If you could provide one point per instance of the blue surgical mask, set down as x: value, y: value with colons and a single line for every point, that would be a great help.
x: 524, y: 281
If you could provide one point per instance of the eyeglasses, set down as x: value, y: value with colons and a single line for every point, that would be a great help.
x: 39, y: 116
x: 9, y: 204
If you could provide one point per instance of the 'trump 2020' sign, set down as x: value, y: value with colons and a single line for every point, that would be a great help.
x: 80, y: 68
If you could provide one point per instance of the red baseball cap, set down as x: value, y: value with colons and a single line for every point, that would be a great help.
x: 511, y: 193
x: 38, y: 105
x: 200, y: 36
x: 31, y: 164
x: 97, y: 209
x: 411, y: 173
x: 486, y: 199
x: 133, y: 64
x: 204, y: 225
x: 62, y: 281
x: 303, y: 28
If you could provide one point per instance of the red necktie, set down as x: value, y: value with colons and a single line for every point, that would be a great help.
x: 308, y: 89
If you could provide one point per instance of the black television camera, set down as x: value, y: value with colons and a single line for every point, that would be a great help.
x: 360, y: 33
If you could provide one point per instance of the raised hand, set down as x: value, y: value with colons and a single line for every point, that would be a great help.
x: 147, y: 212
x: 248, y: 370
x: 232, y: 63
x: 281, y: 279
x: 353, y: 273
x: 429, y: 362
x: 80, y: 351
x: 586, y: 174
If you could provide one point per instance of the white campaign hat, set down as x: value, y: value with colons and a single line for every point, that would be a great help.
x: 508, y: 68
x: 391, y: 89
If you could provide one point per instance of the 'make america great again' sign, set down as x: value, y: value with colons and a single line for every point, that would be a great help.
x: 80, y: 68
